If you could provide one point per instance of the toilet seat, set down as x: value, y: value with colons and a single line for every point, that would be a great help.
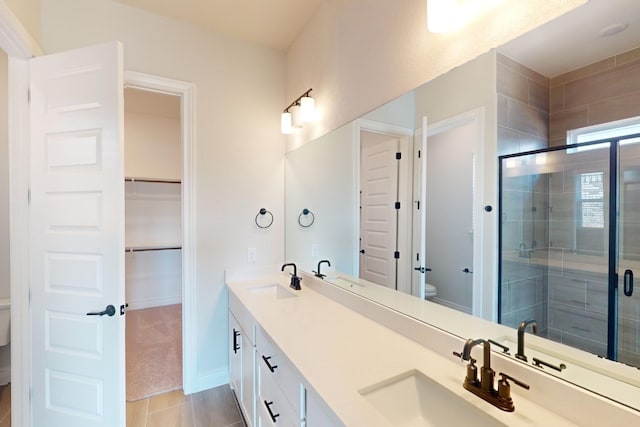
x: 430, y: 291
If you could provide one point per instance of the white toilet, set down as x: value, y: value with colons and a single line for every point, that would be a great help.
x: 430, y: 291
x: 5, y: 319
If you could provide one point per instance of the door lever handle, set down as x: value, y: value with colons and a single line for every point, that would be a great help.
x: 109, y: 311
x: 466, y: 270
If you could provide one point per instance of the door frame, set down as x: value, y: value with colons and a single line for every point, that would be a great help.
x: 19, y: 46
x: 475, y: 117
x: 186, y: 92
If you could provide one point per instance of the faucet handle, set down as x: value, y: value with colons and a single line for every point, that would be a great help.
x: 503, y: 380
x: 471, y: 359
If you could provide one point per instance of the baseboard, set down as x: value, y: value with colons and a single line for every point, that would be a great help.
x: 210, y: 380
x: 450, y: 304
x: 154, y: 302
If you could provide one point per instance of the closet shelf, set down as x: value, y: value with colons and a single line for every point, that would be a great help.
x: 158, y: 180
x: 151, y: 248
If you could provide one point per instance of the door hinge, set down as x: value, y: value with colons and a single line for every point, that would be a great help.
x: 396, y: 255
x: 123, y: 308
x: 397, y: 205
x: 419, y: 153
x: 398, y: 156
x: 417, y: 204
x: 29, y: 95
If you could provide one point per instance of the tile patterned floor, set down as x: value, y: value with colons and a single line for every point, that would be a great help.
x: 154, y: 351
x: 210, y: 408
x: 5, y: 405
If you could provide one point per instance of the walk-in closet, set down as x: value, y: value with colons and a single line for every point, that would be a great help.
x: 153, y: 235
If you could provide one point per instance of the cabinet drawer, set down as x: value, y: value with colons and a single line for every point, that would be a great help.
x: 245, y: 320
x: 275, y: 365
x: 272, y: 405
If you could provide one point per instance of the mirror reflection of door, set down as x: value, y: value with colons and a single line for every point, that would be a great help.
x: 449, y: 213
x: 385, y: 202
x: 379, y: 170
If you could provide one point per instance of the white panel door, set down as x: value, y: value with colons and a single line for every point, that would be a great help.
x: 77, y: 238
x: 378, y: 216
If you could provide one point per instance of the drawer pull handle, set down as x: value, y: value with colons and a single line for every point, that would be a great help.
x: 236, y: 346
x: 271, y: 414
x: 271, y: 367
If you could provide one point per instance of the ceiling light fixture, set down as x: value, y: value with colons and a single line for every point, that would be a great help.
x: 300, y: 111
x: 442, y: 15
x: 613, y: 29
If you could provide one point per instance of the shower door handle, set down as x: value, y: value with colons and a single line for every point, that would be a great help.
x: 628, y: 283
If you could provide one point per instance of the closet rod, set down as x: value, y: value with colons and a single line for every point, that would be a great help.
x: 165, y: 181
x: 151, y: 248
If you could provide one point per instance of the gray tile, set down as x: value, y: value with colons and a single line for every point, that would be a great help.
x: 215, y: 408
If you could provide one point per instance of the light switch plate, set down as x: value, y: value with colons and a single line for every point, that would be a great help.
x: 251, y: 255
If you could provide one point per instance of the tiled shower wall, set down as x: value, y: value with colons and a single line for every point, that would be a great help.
x: 603, y: 92
x: 523, y: 117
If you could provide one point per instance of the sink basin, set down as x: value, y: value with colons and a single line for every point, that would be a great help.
x: 274, y: 290
x: 413, y: 399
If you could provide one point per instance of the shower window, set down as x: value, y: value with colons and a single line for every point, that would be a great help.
x: 590, y: 196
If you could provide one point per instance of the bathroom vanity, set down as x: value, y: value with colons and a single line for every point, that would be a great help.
x: 324, y: 356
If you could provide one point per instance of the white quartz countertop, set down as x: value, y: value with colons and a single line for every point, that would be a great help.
x: 339, y: 352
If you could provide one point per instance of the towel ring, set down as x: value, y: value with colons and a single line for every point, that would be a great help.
x: 306, y: 212
x: 263, y: 212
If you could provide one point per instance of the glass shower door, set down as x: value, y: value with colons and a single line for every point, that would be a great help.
x: 628, y: 295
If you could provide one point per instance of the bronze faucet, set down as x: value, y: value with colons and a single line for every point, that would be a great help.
x: 483, y: 388
x: 523, y: 325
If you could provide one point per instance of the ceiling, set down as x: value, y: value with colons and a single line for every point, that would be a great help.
x: 572, y: 41
x: 564, y: 44
x: 270, y: 23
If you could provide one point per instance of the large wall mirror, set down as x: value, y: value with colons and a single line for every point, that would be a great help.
x: 404, y: 200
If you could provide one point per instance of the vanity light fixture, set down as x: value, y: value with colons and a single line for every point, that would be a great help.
x: 442, y: 15
x: 300, y: 111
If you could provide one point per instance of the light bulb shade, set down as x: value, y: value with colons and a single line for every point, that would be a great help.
x: 307, y: 109
x: 296, y: 117
x: 441, y: 15
x: 285, y: 123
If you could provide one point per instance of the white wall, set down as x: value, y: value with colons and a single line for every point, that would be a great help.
x: 239, y: 148
x: 321, y: 177
x: 359, y: 54
x: 4, y: 178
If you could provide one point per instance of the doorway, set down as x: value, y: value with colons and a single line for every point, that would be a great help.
x: 153, y: 235
x: 452, y: 235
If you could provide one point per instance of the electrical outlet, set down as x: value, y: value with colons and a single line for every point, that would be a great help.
x: 315, y: 249
x: 251, y: 255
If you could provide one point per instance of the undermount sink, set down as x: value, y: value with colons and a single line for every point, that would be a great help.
x: 275, y: 290
x: 413, y: 399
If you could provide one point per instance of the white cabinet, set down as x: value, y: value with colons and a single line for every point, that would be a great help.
x: 242, y: 358
x: 280, y: 390
x: 269, y: 388
x: 318, y: 413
